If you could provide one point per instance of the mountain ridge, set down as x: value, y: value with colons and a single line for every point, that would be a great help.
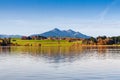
x: 10, y: 36
x: 63, y: 33
x: 52, y: 33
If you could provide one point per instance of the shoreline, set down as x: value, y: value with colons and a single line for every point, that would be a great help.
x: 64, y: 46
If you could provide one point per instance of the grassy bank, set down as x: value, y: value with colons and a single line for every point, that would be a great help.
x: 19, y: 42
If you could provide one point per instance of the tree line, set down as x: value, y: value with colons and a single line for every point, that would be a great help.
x: 102, y: 40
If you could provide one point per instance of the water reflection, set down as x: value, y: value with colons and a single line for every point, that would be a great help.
x: 59, y: 63
x: 64, y: 54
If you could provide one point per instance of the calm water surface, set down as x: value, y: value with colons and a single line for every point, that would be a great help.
x: 59, y: 63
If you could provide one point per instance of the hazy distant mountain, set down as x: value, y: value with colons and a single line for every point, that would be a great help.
x: 63, y: 33
x: 10, y: 36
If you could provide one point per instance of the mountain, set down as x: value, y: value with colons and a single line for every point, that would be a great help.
x: 63, y: 33
x: 10, y: 36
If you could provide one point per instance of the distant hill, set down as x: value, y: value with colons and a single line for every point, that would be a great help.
x: 63, y: 33
x: 10, y: 36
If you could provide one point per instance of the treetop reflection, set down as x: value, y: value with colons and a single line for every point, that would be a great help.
x: 58, y: 54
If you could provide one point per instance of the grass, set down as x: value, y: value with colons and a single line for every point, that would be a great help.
x: 42, y: 42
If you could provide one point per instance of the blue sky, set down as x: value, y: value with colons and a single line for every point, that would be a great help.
x: 91, y: 17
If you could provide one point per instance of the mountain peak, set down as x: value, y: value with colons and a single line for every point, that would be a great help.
x: 70, y: 30
x: 56, y: 29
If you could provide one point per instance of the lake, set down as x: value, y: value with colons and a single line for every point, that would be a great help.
x: 59, y: 63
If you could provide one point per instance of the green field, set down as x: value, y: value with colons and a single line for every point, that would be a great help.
x: 42, y: 42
